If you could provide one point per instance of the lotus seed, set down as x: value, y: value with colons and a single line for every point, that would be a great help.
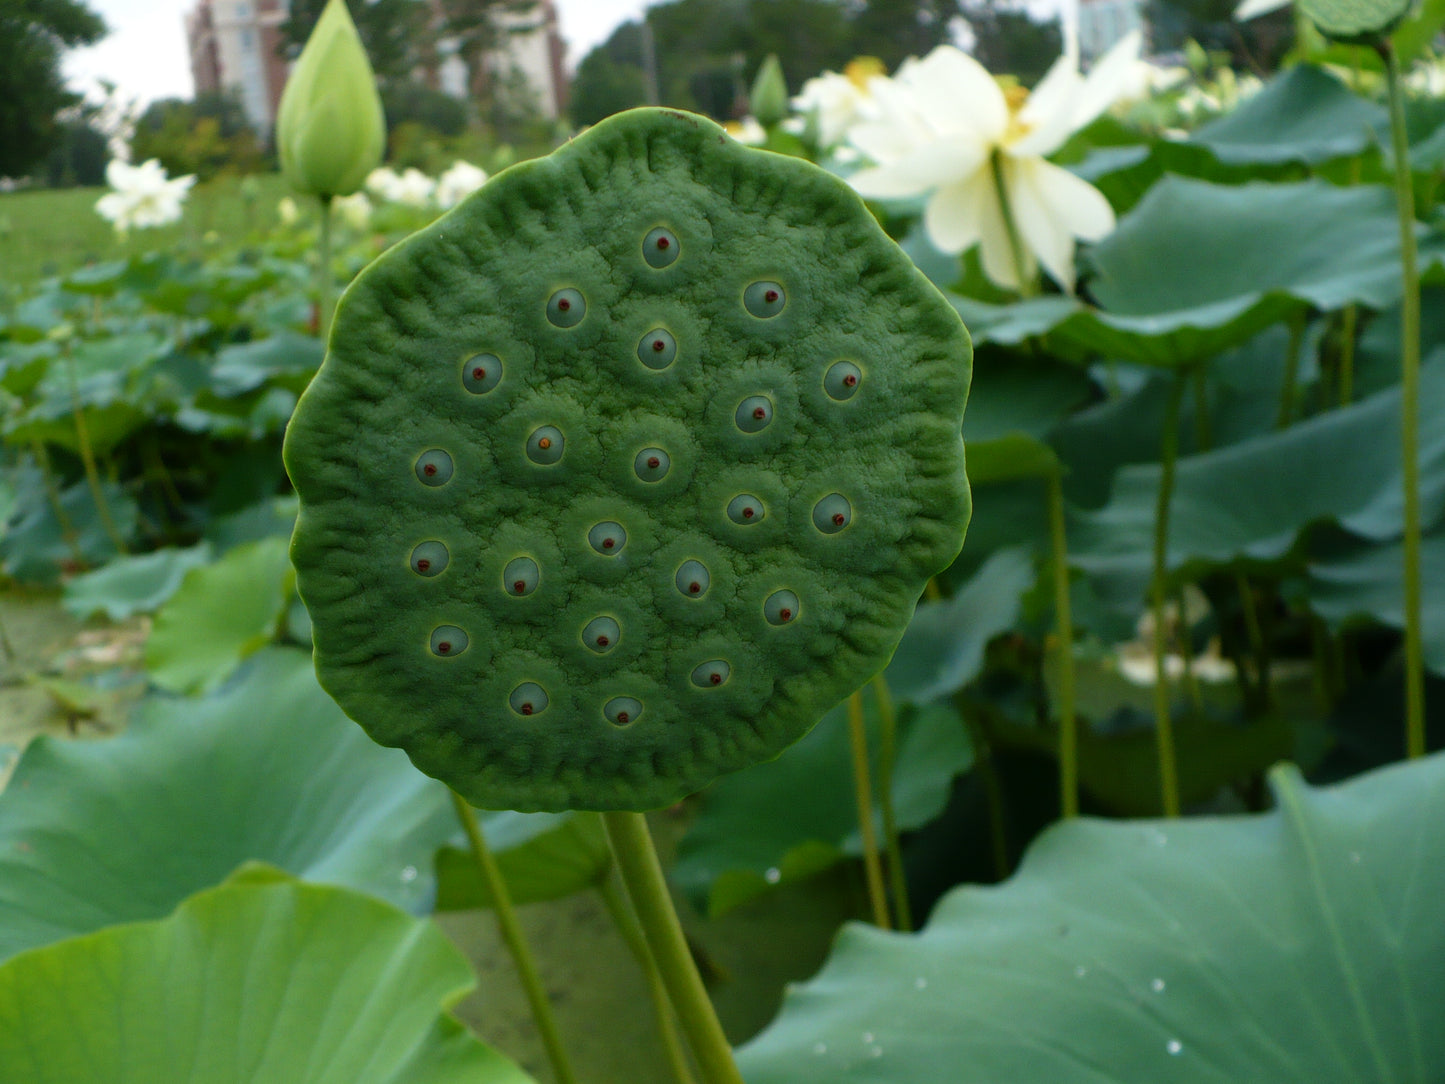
x: 781, y: 607
x: 657, y: 349
x: 754, y: 413
x: 528, y: 698
x: 711, y: 674
x: 545, y: 445
x: 521, y: 576
x: 434, y: 467
x: 566, y: 308
x: 601, y: 634
x: 832, y: 513
x: 652, y: 464
x: 764, y: 299
x: 481, y: 373
x: 746, y: 509
x: 448, y: 641
x: 841, y: 380
x: 660, y: 248
x: 692, y: 579
x: 429, y: 559
x: 622, y: 710
x: 607, y: 538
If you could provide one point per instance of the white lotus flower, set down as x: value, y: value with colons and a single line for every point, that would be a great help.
x: 458, y: 182
x: 414, y: 188
x: 838, y: 102
x: 747, y: 131
x: 287, y: 211
x: 382, y: 182
x: 143, y: 196
x: 947, y: 127
x: 355, y: 210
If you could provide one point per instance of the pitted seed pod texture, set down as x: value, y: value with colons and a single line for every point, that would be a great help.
x: 624, y: 472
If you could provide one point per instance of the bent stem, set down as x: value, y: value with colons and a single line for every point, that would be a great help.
x: 516, y: 943
x: 1068, y: 719
x: 887, y: 756
x: 631, y: 932
x: 1410, y: 407
x: 1163, y: 723
x: 863, y: 795
x: 642, y: 874
x: 1026, y: 285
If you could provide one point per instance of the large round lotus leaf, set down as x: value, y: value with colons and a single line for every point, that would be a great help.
x: 621, y: 474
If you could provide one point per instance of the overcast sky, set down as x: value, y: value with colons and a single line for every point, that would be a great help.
x: 145, y: 52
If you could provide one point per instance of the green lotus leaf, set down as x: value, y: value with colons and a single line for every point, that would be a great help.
x: 1300, y: 945
x: 1362, y: 21
x: 261, y: 981
x: 621, y: 474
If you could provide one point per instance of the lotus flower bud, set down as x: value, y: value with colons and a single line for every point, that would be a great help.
x: 330, y: 130
x: 769, y: 98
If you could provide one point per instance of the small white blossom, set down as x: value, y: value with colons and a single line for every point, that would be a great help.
x: 287, y: 211
x: 747, y: 131
x: 458, y: 182
x: 837, y: 102
x: 143, y: 196
x: 414, y: 188
x: 355, y: 210
x: 383, y: 183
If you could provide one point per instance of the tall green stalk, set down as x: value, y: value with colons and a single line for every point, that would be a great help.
x: 1063, y: 615
x: 1163, y: 723
x: 887, y: 757
x: 87, y: 458
x: 516, y: 943
x: 1410, y: 408
x: 642, y: 874
x: 863, y: 796
x: 325, y: 283
x: 1290, y: 388
x: 1028, y: 287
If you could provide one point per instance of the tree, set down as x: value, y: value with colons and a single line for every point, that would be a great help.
x: 203, y: 137
x: 892, y: 30
x: 395, y: 33
x: 478, y: 28
x: 33, y: 35
x: 1007, y: 39
x: 610, y: 77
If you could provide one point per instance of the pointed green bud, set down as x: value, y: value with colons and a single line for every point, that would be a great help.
x: 770, y: 93
x: 330, y: 130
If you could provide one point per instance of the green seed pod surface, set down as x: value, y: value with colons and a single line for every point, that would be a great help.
x: 606, y: 681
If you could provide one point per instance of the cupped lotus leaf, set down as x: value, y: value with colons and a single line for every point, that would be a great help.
x: 636, y: 288
x: 1359, y: 21
x: 1296, y: 946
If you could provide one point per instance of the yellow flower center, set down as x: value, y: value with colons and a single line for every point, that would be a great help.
x: 863, y: 68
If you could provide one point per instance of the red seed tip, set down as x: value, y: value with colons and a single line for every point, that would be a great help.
x: 544, y: 443
x: 694, y: 588
x: 658, y: 346
x: 748, y: 512
x: 444, y: 647
x: 785, y: 614
x: 663, y: 242
x: 622, y: 716
x: 770, y: 296
x: 608, y: 543
x: 519, y: 586
x: 760, y: 413
x: 603, y: 641
x: 526, y: 709
x: 850, y: 381
x: 563, y: 304
x: 429, y: 469
x: 479, y: 373
x: 839, y: 519
x: 422, y: 565
x: 653, y: 462
x: 716, y: 679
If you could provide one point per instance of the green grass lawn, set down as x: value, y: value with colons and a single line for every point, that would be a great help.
x: 55, y: 231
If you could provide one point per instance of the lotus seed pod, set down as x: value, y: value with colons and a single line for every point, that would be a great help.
x: 643, y: 566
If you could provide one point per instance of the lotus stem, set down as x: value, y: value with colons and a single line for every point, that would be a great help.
x: 863, y: 794
x: 1349, y: 319
x: 1027, y: 286
x: 516, y: 943
x: 631, y: 932
x: 325, y: 286
x: 1410, y: 408
x: 87, y: 459
x: 642, y: 874
x: 887, y: 756
x: 1064, y: 623
x: 1291, y: 371
x: 1163, y: 723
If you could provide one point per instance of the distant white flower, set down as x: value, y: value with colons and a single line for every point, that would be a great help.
x: 383, y: 182
x: 355, y: 210
x: 287, y: 211
x: 837, y: 102
x: 747, y: 131
x: 458, y: 182
x: 143, y: 196
x: 414, y: 188
x: 944, y: 123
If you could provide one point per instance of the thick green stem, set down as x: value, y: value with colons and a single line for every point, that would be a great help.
x: 1348, y: 321
x: 1163, y: 723
x: 1410, y: 408
x: 516, y: 943
x: 1290, y: 389
x: 87, y: 459
x: 1063, y: 615
x: 642, y: 874
x: 863, y: 796
x: 887, y: 756
x: 631, y: 932
x: 1027, y: 285
x: 325, y: 284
